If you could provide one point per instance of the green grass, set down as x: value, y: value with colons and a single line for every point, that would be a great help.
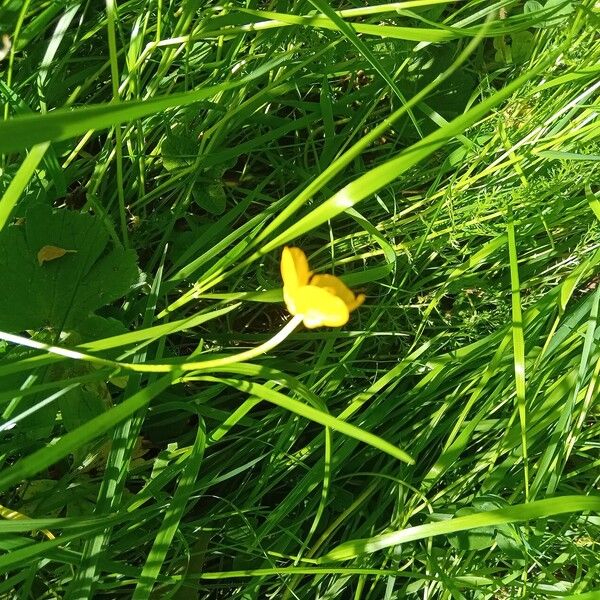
x: 186, y: 440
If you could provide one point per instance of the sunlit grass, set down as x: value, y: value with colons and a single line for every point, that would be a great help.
x: 442, y: 158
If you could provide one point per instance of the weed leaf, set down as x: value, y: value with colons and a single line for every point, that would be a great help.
x: 43, y: 290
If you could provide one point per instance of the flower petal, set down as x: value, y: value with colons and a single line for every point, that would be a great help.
x: 337, y: 287
x: 294, y: 268
x: 320, y: 308
x: 358, y: 300
x: 291, y: 299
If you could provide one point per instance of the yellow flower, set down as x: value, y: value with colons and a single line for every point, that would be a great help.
x: 321, y: 300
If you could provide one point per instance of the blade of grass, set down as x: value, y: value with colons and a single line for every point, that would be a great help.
x: 20, y: 181
x: 172, y: 518
x: 518, y: 343
x: 513, y: 514
x: 315, y: 415
x: 45, y: 457
x: 25, y: 131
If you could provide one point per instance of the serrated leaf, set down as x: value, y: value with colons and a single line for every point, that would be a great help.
x: 60, y: 294
x: 532, y: 6
x: 522, y: 46
x: 564, y: 8
x: 37, y: 492
x: 211, y: 197
x: 41, y: 422
x: 179, y: 150
x: 472, y: 539
x: 509, y: 545
x: 83, y: 403
x: 96, y: 327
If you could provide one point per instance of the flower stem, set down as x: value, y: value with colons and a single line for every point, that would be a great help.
x: 248, y: 354
x: 156, y: 368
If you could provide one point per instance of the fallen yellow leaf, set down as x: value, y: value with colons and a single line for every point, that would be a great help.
x: 48, y: 253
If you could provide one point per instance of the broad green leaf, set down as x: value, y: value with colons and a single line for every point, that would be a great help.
x: 179, y: 150
x: 522, y: 46
x: 179, y: 153
x: 63, y: 292
x: 83, y: 403
x: 479, y: 538
x: 210, y: 196
x: 562, y: 8
x: 9, y: 14
x: 532, y: 6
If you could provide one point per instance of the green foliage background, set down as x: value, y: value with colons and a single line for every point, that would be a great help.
x: 442, y: 157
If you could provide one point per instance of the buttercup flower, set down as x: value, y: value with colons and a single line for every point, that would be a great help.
x: 321, y: 300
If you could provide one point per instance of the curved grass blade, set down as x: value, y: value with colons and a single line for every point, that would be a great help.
x: 318, y: 416
x: 513, y: 514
